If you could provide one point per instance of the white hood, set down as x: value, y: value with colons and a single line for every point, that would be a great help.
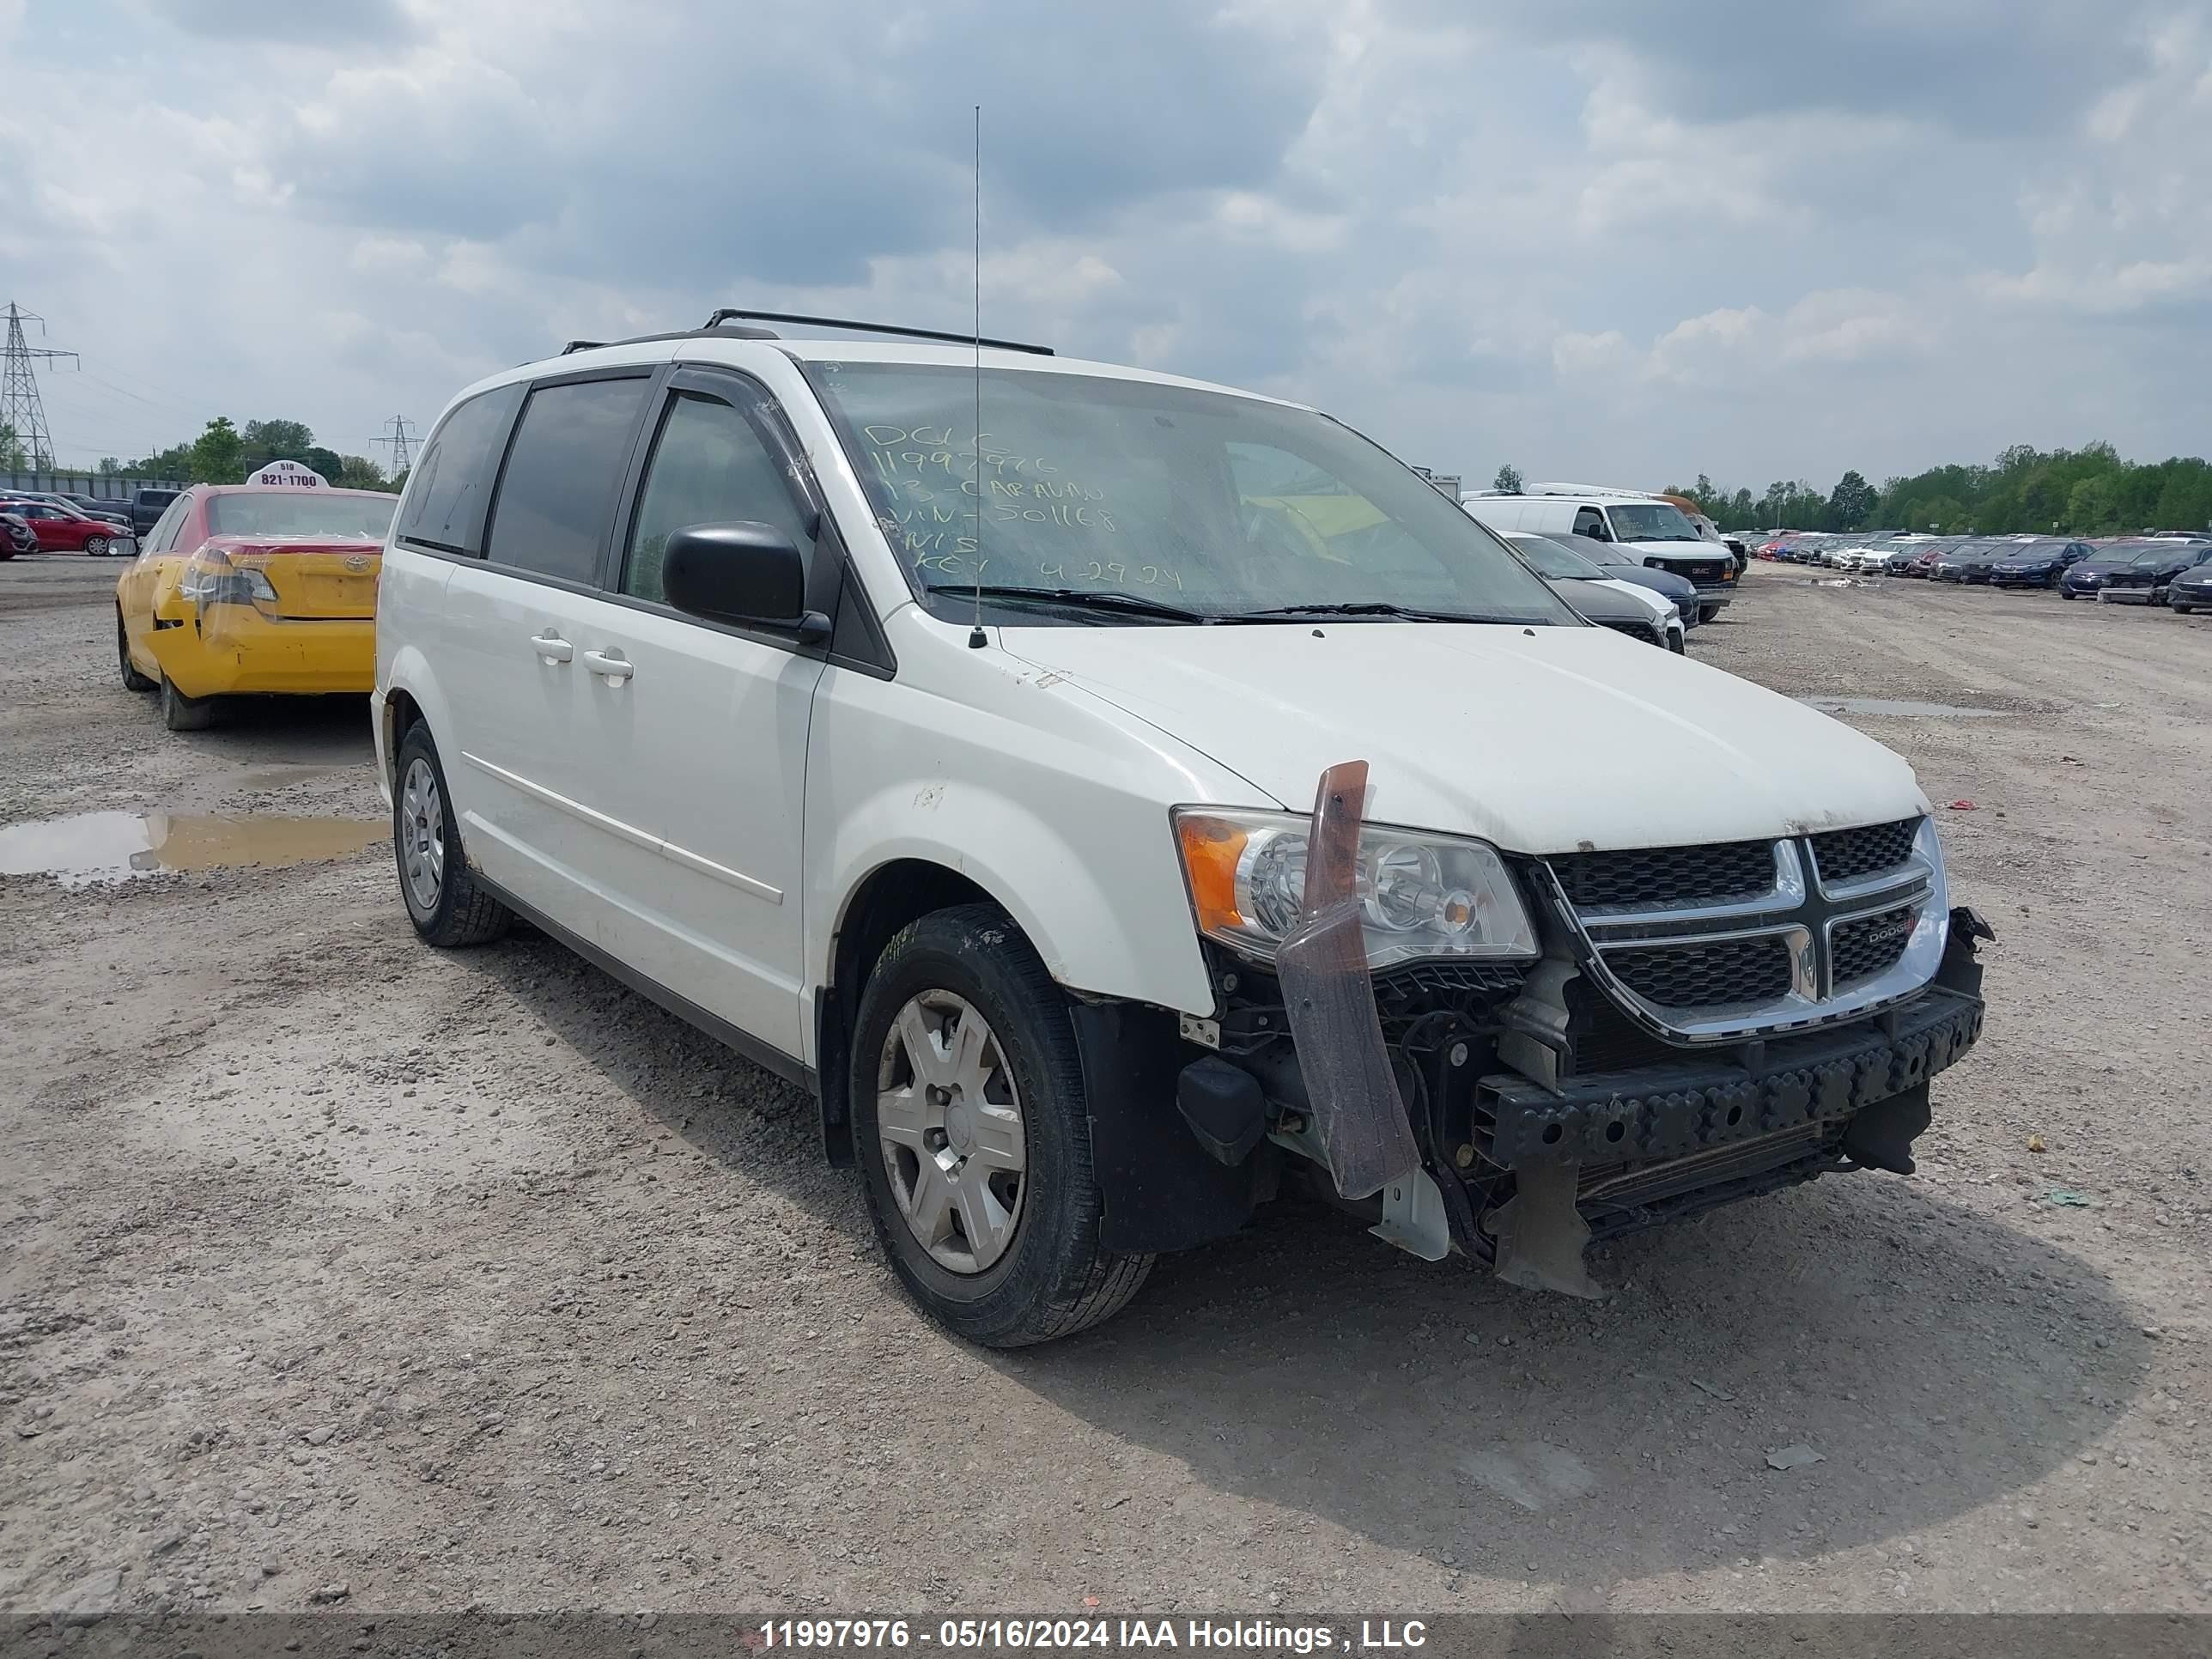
x: 1657, y: 604
x: 1540, y: 740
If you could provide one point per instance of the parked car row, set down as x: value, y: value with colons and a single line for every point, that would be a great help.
x: 74, y: 523
x: 2142, y: 570
x: 57, y: 525
x: 1653, y: 530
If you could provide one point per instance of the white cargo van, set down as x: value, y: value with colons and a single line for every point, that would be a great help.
x: 1657, y: 530
x: 1116, y: 809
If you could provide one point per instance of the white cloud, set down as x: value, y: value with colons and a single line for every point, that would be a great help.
x: 1578, y: 234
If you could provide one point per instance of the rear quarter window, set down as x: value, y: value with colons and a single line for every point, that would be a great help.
x: 451, y: 484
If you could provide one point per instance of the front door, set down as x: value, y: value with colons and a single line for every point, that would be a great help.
x: 688, y: 742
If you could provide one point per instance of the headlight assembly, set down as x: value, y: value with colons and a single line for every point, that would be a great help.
x: 1422, y: 896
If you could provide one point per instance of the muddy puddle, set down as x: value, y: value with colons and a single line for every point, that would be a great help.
x: 105, y: 847
x: 1901, y: 707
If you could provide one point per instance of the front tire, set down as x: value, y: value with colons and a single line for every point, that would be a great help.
x: 182, y: 714
x: 447, y: 904
x: 95, y: 547
x: 132, y: 679
x: 969, y: 1110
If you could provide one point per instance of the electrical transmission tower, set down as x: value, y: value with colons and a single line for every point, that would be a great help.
x: 19, y: 406
x: 400, y: 441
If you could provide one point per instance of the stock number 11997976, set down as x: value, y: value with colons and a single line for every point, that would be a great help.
x: 956, y: 1634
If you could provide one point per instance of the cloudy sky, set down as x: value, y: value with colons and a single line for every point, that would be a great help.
x: 1604, y: 240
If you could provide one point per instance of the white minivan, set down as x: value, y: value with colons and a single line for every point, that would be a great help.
x: 1117, y: 799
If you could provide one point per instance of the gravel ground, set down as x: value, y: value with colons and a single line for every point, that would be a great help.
x: 335, y: 1267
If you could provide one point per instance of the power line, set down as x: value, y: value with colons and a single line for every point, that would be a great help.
x: 20, y: 407
x: 400, y: 441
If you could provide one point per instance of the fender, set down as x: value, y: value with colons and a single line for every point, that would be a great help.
x: 409, y: 589
x: 1139, y: 945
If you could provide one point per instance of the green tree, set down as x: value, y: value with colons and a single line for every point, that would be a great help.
x: 110, y: 466
x: 2093, y: 507
x: 357, y: 472
x: 218, y: 454
x: 277, y: 441
x: 1508, y: 479
x: 13, y: 458
x: 2185, y: 497
x: 1944, y: 515
x: 1851, y: 503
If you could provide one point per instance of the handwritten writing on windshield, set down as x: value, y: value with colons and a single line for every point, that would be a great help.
x: 943, y: 486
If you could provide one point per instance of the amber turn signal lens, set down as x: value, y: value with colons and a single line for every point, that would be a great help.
x: 1211, y: 849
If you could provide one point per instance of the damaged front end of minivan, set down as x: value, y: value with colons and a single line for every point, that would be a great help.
x: 1647, y: 1034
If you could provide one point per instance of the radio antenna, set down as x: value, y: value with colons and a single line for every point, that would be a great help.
x: 975, y: 640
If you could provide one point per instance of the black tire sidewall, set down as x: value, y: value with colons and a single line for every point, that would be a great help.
x: 182, y: 714
x: 132, y: 679
x: 952, y: 951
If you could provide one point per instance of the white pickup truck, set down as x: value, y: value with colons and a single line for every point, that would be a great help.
x: 1114, y: 798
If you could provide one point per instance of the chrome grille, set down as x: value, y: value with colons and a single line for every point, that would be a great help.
x: 1736, y: 938
x: 1721, y: 974
x: 1847, y: 855
x: 1869, y: 945
x: 1653, y: 875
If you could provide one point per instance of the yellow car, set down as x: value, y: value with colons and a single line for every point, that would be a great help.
x: 253, y: 588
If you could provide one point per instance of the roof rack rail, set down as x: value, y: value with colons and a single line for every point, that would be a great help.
x: 581, y: 345
x: 728, y: 315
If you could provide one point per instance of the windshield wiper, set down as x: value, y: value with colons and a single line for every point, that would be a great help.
x: 1077, y: 599
x: 1377, y: 608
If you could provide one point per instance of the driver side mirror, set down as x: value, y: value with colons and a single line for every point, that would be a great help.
x: 749, y: 573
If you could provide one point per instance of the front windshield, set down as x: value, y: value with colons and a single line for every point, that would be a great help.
x: 363, y: 517
x: 1214, y: 503
x: 1660, y: 521
x: 1550, y: 559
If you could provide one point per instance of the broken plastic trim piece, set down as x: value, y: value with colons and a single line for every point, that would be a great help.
x: 1541, y: 1233
x: 1329, y: 995
x: 1414, y: 1218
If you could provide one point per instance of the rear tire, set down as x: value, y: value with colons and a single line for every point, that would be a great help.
x: 132, y: 679
x: 1054, y: 1277
x: 445, y: 901
x: 182, y: 714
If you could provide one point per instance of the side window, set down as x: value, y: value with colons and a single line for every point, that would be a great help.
x: 709, y: 467
x: 563, y: 472
x: 1588, y: 521
x: 163, y: 535
x: 452, y: 482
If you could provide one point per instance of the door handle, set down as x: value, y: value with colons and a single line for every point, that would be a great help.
x: 610, y: 666
x: 551, y: 647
